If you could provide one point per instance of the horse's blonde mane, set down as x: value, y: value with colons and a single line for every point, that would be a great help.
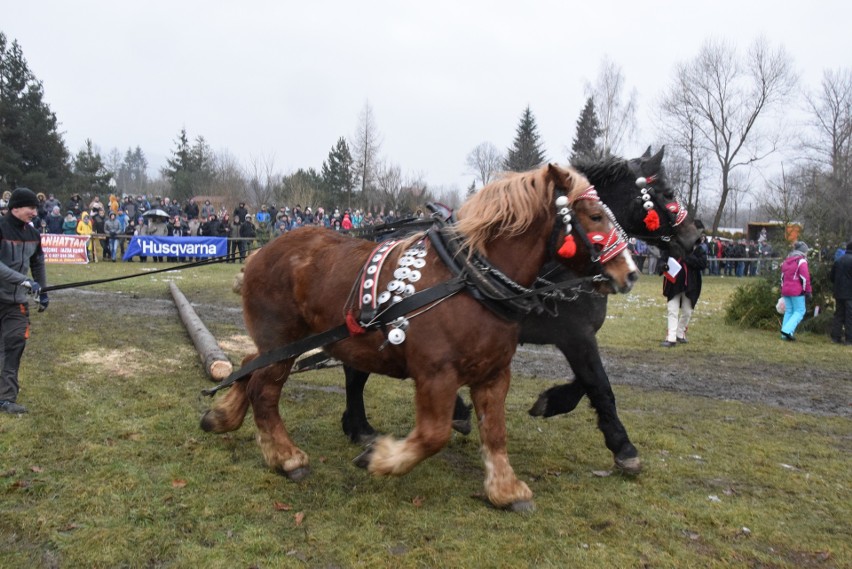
x: 508, y: 206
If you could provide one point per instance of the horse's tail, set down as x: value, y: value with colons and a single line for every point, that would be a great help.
x: 237, y: 285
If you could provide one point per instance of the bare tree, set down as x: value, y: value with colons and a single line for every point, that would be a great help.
x: 402, y: 194
x: 365, y: 148
x: 228, y: 178
x: 485, y: 161
x: 830, y: 145
x: 739, y: 188
x: 728, y: 96
x: 616, y: 115
x: 262, y: 181
x: 301, y: 188
x: 687, y: 157
x: 831, y: 120
x: 113, y: 162
x: 783, y: 199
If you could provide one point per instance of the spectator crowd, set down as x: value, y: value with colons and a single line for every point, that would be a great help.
x: 112, y: 223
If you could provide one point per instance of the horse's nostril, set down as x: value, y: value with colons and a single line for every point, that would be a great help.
x: 633, y: 276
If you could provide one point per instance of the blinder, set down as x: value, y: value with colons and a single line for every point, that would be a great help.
x: 603, y: 247
x: 674, y: 209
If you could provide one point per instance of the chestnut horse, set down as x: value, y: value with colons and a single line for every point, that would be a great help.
x: 456, y: 341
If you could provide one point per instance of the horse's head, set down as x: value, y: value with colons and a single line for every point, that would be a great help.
x: 666, y: 221
x: 638, y: 193
x: 588, y: 239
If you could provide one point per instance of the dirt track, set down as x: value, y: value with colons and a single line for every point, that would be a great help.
x: 794, y: 387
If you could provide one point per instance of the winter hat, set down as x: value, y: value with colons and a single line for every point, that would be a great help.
x: 23, y: 197
x: 801, y: 246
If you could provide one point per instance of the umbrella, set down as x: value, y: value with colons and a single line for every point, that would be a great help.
x: 155, y: 213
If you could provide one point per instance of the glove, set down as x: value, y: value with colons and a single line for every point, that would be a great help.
x: 32, y: 285
x: 43, y: 301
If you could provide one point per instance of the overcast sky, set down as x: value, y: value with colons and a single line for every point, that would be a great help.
x: 281, y: 81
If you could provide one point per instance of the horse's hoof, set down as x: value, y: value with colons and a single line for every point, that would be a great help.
x: 298, y: 474
x: 462, y: 426
x: 363, y: 459
x: 521, y: 506
x: 540, y: 407
x: 630, y: 466
x: 366, y: 438
x: 208, y: 425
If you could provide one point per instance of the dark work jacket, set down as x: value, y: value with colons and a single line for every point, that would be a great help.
x: 841, y: 276
x: 688, y: 280
x: 20, y: 253
x: 247, y: 230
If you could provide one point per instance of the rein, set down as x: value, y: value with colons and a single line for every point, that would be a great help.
x: 192, y: 265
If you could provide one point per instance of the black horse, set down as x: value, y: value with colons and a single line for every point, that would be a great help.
x: 632, y: 189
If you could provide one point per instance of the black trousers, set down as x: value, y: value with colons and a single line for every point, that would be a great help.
x: 842, y: 319
x: 14, y: 330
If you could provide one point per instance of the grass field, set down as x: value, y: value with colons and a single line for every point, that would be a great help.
x: 110, y: 469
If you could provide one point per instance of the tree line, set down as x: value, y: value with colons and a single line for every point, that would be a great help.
x: 723, y: 117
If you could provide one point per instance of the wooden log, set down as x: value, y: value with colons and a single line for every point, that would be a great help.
x: 216, y: 363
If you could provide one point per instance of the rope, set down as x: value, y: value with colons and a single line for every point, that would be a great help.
x: 202, y: 263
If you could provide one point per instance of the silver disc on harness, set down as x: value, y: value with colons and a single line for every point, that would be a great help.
x: 371, y: 270
x: 384, y: 297
x: 367, y: 299
x: 368, y: 283
x: 561, y: 201
x: 396, y: 298
x: 414, y: 276
x: 401, y: 273
x: 401, y: 323
x: 421, y: 253
x: 396, y: 336
x: 395, y: 286
x: 419, y: 263
x: 406, y: 261
x: 377, y: 258
x: 409, y: 290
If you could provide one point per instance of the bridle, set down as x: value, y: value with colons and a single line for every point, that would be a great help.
x: 674, y: 209
x: 603, y: 247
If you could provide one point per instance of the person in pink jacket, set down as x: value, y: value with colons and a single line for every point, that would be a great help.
x: 795, y: 287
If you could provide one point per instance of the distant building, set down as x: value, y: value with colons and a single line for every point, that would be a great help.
x: 775, y: 230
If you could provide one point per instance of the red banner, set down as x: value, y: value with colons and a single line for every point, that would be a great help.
x: 68, y: 249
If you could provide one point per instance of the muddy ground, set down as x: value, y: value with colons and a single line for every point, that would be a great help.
x: 794, y: 387
x: 798, y: 387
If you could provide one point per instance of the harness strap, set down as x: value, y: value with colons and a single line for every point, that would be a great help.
x: 512, y: 303
x: 406, y: 305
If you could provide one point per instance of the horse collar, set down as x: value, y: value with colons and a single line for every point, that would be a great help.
x: 372, y: 301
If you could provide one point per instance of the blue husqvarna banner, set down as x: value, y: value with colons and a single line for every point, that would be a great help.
x: 150, y: 246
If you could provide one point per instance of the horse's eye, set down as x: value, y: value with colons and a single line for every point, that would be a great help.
x: 597, y: 218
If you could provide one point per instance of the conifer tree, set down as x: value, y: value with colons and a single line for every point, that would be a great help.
x: 32, y: 152
x: 190, y: 169
x: 91, y: 177
x: 338, y: 175
x: 585, y: 144
x: 525, y: 152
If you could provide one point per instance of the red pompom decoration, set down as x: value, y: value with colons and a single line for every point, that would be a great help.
x: 569, y: 248
x: 652, y: 220
x: 352, y: 324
